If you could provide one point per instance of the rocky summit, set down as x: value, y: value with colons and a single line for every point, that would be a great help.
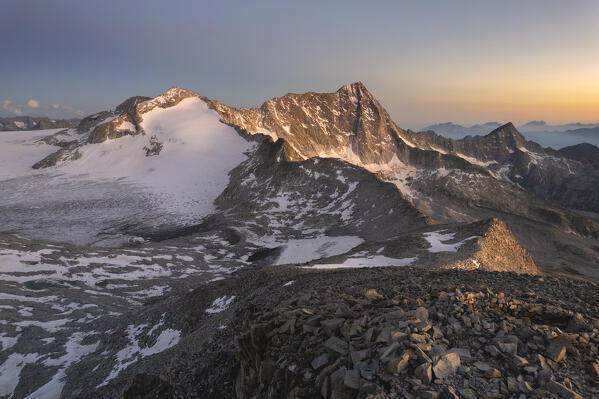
x: 178, y: 247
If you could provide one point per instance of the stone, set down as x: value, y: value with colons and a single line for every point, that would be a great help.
x: 519, y: 361
x: 344, y: 311
x: 557, y: 351
x: 373, y: 295
x: 424, y: 373
x: 358, y: 356
x: 512, y: 384
x: 493, y: 373
x: 368, y: 369
x: 331, y: 325
x: 398, y: 335
x: 449, y: 393
x: 463, y: 352
x: 352, y: 379
x: 467, y: 393
x: 418, y: 338
x: 509, y: 348
x: 524, y: 386
x: 337, y: 345
x: 492, y: 350
x: 540, y: 361
x: 482, y: 366
x: 325, y: 387
x: 545, y: 375
x: 595, y: 371
x: 267, y: 370
x: 531, y: 369
x: 337, y: 377
x: 446, y: 365
x: 384, y: 335
x: 389, y: 350
x: 320, y: 361
x: 421, y: 313
x: 561, y: 390
x: 397, y: 365
x: 426, y: 394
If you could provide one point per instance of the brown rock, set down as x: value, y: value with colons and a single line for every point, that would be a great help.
x: 557, y: 351
x: 446, y: 365
x: 493, y: 373
x: 424, y: 373
x: 373, y: 295
x: 397, y: 365
x: 595, y: 371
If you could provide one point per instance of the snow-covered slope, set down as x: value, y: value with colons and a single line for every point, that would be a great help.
x: 170, y: 175
x: 190, y: 169
x: 19, y: 150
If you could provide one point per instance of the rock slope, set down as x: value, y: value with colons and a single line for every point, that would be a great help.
x: 379, y: 333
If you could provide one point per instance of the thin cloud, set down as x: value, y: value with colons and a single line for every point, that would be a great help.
x: 68, y: 108
x: 7, y: 105
x: 33, y: 103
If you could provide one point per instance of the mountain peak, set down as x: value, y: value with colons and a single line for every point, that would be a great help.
x: 354, y: 88
x: 130, y: 103
x: 510, y: 134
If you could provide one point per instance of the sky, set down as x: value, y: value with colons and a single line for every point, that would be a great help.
x: 425, y: 61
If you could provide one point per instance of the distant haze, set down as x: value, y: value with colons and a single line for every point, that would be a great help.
x: 555, y: 136
x: 427, y: 62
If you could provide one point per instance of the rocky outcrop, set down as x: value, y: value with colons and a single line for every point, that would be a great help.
x: 130, y: 115
x: 496, y: 250
x: 69, y: 153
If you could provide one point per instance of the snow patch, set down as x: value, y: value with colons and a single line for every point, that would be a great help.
x: 370, y: 261
x: 307, y: 249
x: 436, y: 241
x: 220, y: 304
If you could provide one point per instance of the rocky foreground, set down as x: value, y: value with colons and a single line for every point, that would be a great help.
x: 377, y: 333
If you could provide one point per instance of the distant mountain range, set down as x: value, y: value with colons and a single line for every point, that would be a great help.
x: 35, y: 123
x: 542, y: 126
x: 450, y: 128
x: 556, y: 136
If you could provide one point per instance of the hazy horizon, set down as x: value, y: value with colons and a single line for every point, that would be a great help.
x: 427, y: 63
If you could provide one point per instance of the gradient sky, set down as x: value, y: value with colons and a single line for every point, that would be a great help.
x: 426, y: 61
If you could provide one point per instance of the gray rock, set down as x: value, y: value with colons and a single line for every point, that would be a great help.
x: 320, y: 361
x: 352, y: 379
x: 421, y: 313
x: 336, y: 345
x: 561, y: 390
